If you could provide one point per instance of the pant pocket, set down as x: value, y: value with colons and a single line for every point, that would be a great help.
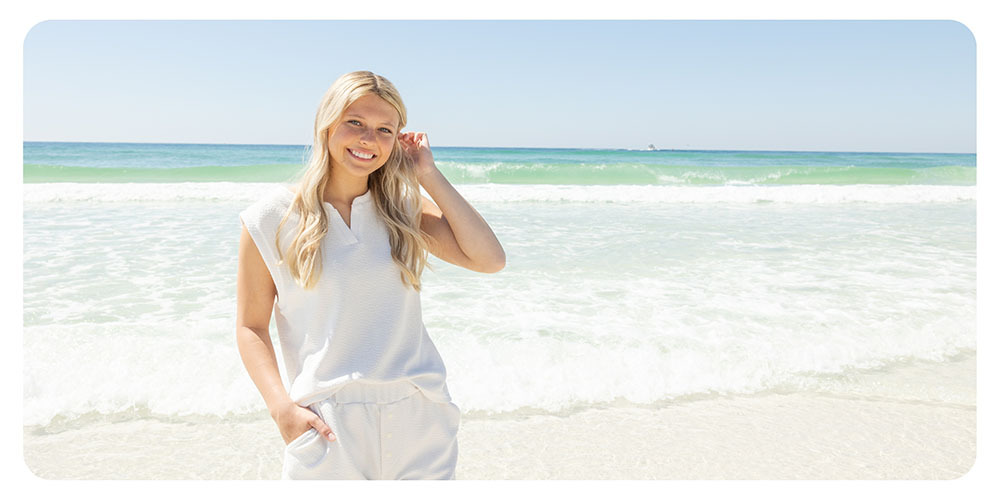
x: 305, y: 436
x: 307, y: 449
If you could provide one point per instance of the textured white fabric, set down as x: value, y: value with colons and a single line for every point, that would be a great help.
x: 384, y: 431
x: 360, y: 322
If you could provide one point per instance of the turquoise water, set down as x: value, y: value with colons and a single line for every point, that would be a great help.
x: 632, y: 276
x: 108, y: 162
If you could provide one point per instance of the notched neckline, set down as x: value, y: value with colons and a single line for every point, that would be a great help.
x: 349, y: 231
x: 362, y: 198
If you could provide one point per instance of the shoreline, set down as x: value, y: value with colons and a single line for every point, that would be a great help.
x: 862, y: 429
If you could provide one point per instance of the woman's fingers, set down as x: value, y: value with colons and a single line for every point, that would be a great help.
x: 324, y: 430
x: 412, y: 137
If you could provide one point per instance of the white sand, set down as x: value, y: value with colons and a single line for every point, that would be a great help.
x: 772, y: 437
x: 862, y: 431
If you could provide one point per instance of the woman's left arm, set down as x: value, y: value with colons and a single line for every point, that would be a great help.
x: 459, y: 234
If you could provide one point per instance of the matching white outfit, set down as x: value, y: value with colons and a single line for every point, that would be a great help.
x: 356, y: 353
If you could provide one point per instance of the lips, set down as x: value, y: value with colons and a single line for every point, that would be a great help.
x: 365, y: 156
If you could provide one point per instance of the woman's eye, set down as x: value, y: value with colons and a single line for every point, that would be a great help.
x: 386, y: 130
x: 354, y: 121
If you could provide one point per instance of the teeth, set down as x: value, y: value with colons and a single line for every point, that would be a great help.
x: 359, y: 155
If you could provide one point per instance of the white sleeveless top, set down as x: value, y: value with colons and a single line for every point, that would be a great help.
x: 359, y: 323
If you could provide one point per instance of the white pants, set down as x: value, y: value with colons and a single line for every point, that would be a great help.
x: 384, y: 431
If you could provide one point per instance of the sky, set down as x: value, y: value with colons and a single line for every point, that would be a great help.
x: 899, y: 86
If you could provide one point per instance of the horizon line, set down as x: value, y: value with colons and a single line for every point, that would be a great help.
x: 517, y: 147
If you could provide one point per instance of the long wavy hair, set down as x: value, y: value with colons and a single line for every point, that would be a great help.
x: 394, y: 189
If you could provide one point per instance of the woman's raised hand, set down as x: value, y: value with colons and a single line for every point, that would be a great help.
x: 294, y: 421
x: 418, y: 148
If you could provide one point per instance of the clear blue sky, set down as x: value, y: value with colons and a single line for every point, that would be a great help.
x: 782, y: 85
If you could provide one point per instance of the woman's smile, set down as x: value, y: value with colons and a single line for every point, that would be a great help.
x: 361, y: 155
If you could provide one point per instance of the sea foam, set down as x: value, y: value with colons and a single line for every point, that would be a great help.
x: 248, y: 192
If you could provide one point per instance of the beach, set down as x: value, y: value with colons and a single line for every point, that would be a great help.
x: 732, y: 249
x: 858, y: 432
x: 663, y: 314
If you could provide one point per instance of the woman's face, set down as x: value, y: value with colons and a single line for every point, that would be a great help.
x: 360, y: 143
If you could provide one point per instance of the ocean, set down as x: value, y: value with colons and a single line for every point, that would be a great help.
x: 633, y: 277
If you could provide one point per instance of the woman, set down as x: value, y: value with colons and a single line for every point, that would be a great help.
x: 338, y: 256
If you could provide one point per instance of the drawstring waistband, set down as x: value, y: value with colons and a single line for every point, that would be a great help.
x: 363, y: 392
x: 373, y: 392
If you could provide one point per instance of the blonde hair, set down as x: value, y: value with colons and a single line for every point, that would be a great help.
x: 394, y: 189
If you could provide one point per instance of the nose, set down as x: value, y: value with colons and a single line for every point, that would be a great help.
x: 368, y: 135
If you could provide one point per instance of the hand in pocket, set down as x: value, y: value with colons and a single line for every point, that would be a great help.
x: 294, y: 421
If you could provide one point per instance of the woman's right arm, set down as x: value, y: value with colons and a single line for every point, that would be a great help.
x: 255, y: 294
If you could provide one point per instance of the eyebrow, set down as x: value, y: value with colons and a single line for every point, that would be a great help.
x: 352, y: 115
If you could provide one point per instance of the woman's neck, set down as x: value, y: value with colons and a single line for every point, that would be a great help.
x: 345, y: 192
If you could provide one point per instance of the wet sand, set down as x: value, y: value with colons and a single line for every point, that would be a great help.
x: 855, y: 431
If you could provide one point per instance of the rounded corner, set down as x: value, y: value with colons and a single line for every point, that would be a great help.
x: 972, y: 36
x: 972, y: 465
x: 32, y: 29
x: 27, y: 466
